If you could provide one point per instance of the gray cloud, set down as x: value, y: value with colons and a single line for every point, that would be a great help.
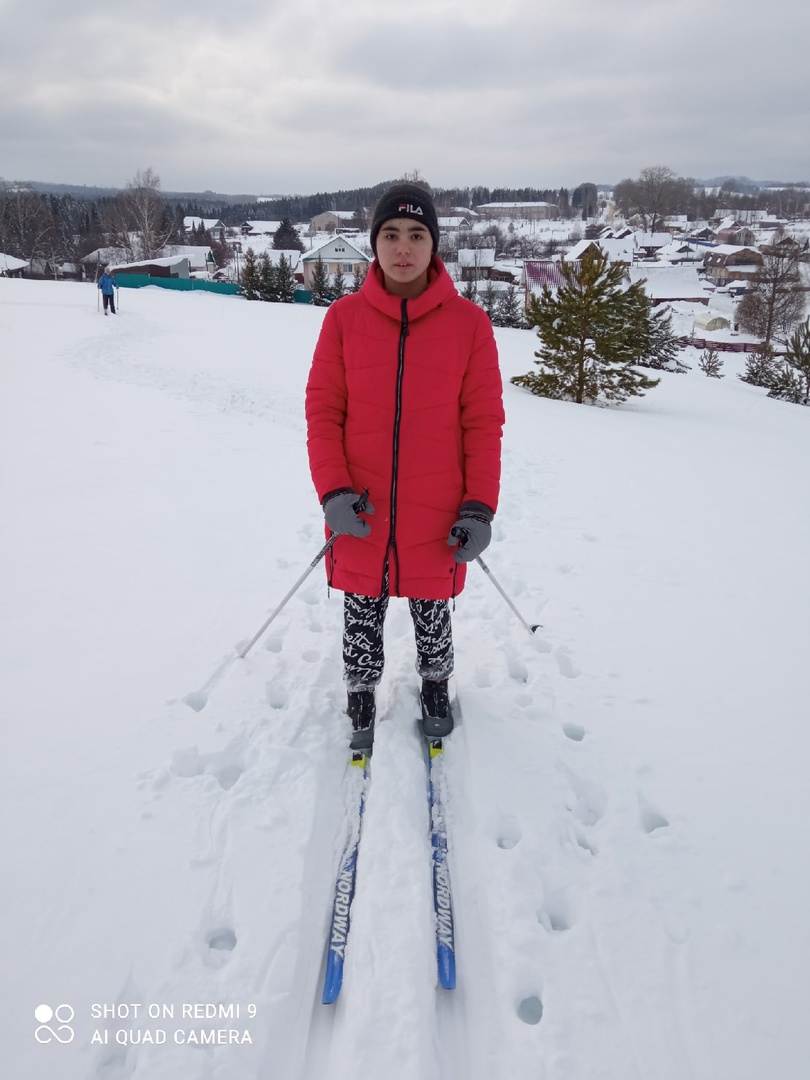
x: 312, y: 95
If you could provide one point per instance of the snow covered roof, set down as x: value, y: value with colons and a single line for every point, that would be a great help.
x: 189, y: 249
x: 669, y: 282
x: 199, y: 256
x: 207, y: 223
x: 320, y: 249
x: 167, y: 260
x: 261, y: 226
x: 731, y: 249
x: 476, y: 256
x: 656, y: 240
x: 10, y: 262
x: 679, y: 249
x: 510, y: 205
x: 103, y: 254
x: 617, y: 250
x: 344, y: 215
x: 293, y: 256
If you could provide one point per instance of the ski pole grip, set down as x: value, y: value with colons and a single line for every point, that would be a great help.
x: 360, y: 505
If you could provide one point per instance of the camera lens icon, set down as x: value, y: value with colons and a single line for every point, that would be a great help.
x: 54, y: 1024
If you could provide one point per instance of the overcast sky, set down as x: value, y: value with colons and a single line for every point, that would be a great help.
x: 296, y: 96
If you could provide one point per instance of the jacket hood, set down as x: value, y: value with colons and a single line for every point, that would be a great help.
x: 440, y: 289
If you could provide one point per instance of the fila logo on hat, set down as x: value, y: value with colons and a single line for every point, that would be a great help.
x: 409, y: 208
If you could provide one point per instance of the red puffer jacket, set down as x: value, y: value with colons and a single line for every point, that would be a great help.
x: 404, y: 398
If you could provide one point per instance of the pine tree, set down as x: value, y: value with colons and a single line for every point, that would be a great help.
x: 286, y: 237
x: 285, y: 281
x: 267, y: 279
x: 338, y: 283
x: 792, y: 381
x: 319, y: 286
x: 593, y: 331
x: 710, y: 364
x: 659, y: 347
x: 489, y: 300
x: 249, y: 278
x: 470, y: 291
x: 359, y: 277
x: 509, y: 310
x: 760, y: 368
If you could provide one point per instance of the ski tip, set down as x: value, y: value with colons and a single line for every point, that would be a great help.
x: 436, y: 747
x: 446, y: 958
x: 359, y: 758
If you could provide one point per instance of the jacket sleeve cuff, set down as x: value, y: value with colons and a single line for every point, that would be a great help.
x: 338, y: 491
x: 472, y: 508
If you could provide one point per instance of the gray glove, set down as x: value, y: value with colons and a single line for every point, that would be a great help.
x: 340, y: 509
x: 472, y: 532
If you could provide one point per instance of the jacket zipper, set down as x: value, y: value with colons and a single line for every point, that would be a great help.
x: 392, y: 541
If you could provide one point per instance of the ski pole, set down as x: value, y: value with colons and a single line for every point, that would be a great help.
x: 198, y: 699
x: 496, y: 583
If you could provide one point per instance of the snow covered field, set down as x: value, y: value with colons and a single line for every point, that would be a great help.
x: 628, y: 792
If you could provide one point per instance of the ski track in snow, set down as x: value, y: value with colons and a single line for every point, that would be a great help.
x: 581, y: 950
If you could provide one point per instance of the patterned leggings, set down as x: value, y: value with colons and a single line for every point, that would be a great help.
x: 363, y: 655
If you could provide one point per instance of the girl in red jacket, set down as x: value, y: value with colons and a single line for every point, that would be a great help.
x: 404, y: 400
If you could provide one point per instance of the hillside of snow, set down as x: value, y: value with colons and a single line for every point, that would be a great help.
x: 626, y: 790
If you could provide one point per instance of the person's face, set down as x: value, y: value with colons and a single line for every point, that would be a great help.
x: 404, y: 251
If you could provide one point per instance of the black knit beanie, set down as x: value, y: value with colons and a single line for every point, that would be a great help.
x: 405, y: 200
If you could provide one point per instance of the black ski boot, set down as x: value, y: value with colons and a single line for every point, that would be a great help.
x: 437, y: 719
x: 362, y: 710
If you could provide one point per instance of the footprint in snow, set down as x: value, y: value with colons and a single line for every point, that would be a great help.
x: 277, y: 695
x: 223, y: 939
x: 220, y: 943
x: 516, y: 668
x: 509, y: 832
x: 650, y: 817
x: 226, y: 767
x: 530, y: 1010
x: 585, y: 842
x: 586, y: 801
x: 565, y: 664
x: 574, y: 732
x: 274, y: 643
x: 557, y: 913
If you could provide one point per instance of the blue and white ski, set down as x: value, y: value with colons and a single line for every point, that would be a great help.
x: 344, y: 894
x: 347, y: 880
x: 442, y: 895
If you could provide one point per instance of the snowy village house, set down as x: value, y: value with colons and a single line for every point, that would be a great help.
x: 336, y: 254
x: 727, y: 262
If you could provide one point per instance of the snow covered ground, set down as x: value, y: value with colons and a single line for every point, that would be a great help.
x: 627, y: 790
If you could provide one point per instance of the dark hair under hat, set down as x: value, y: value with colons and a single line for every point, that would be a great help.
x: 405, y: 200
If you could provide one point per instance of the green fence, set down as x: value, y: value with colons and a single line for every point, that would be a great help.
x: 139, y: 281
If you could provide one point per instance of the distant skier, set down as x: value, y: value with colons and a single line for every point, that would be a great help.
x: 108, y: 285
x: 404, y: 399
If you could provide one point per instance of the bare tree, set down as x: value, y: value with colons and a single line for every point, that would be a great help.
x: 26, y: 223
x: 775, y: 300
x: 137, y: 220
x: 656, y: 194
